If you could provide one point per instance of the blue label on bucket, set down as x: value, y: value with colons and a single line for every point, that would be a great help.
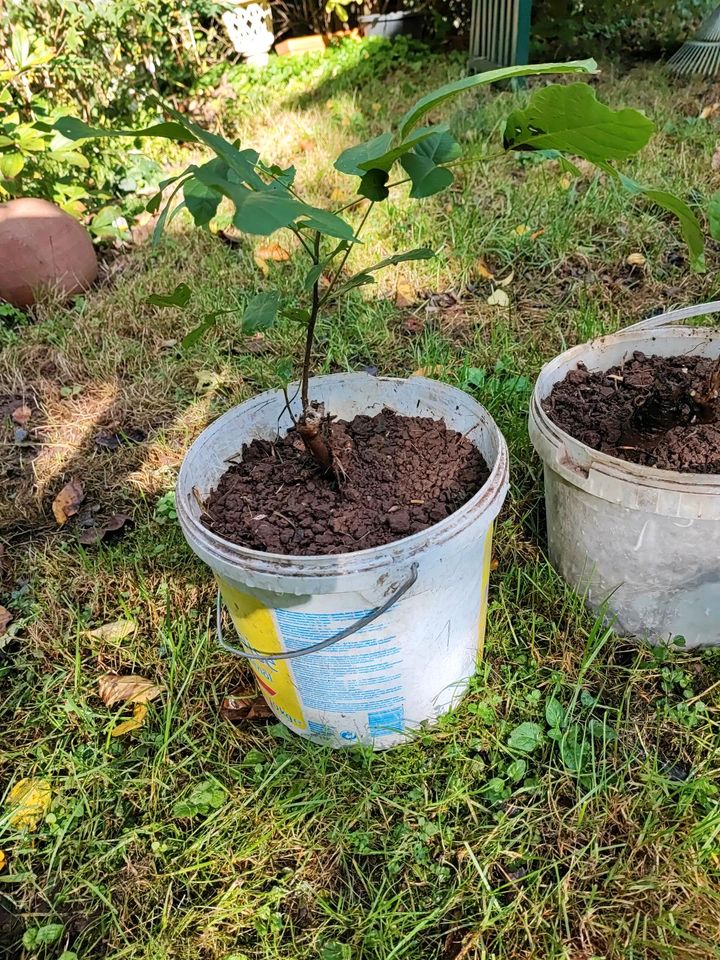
x: 359, y: 675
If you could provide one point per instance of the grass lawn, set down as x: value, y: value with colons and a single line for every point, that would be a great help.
x: 457, y: 845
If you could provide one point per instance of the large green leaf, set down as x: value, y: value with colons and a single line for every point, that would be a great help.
x: 349, y: 160
x: 328, y: 223
x: 387, y: 159
x: 434, y: 99
x: 75, y: 129
x: 261, y: 311
x: 373, y: 185
x: 440, y: 147
x: 689, y: 224
x: 202, y: 201
x: 572, y: 120
x: 427, y: 178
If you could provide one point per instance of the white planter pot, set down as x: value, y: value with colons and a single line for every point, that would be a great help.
x: 413, y: 662
x: 250, y: 28
x: 642, y: 541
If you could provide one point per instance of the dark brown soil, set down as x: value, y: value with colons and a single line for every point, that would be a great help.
x: 401, y: 475
x: 644, y: 411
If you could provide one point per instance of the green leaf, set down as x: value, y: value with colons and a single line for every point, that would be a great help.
x: 180, y: 297
x: 572, y: 120
x: 20, y: 46
x: 359, y: 280
x: 517, y: 769
x: 525, y: 737
x: 42, y: 936
x: 202, y: 201
x: 75, y: 129
x: 349, y: 160
x: 296, y: 315
x: 427, y: 178
x: 198, y: 332
x: 689, y: 224
x: 11, y: 165
x: 373, y: 185
x: 419, y: 253
x: 713, y: 212
x: 554, y: 712
x: 313, y: 275
x: 440, y: 147
x: 261, y: 311
x: 436, y: 97
x: 574, y: 749
x: 387, y: 159
x: 327, y: 223
x: 109, y: 223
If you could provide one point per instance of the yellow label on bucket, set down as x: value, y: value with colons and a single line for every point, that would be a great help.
x: 256, y: 625
x: 484, y: 584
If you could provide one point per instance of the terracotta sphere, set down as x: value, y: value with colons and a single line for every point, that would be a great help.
x: 42, y: 249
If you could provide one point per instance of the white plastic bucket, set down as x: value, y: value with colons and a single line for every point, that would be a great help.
x: 413, y: 662
x: 642, y: 541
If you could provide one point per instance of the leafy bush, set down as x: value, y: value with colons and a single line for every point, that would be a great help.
x: 634, y: 26
x: 112, y: 56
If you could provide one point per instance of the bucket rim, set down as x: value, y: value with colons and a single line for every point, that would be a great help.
x: 486, y: 502
x: 597, y: 460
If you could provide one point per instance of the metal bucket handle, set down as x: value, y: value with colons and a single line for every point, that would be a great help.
x: 682, y: 313
x: 329, y: 641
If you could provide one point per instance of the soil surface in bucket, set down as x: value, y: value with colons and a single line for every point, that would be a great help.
x: 644, y: 411
x: 399, y: 475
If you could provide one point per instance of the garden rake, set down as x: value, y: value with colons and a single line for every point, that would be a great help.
x: 701, y: 55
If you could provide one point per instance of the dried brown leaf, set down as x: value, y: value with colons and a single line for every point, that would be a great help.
x: 126, y: 688
x: 117, y: 630
x: 484, y: 271
x: 238, y: 709
x: 21, y: 415
x: 6, y: 619
x: 67, y: 503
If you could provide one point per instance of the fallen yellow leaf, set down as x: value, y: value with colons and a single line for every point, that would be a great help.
x: 484, y: 271
x: 3, y: 860
x: 29, y: 801
x: 117, y: 630
x: 337, y: 195
x: 506, y: 281
x: 537, y: 233
x: 130, y: 688
x: 566, y: 181
x: 709, y: 111
x: 138, y: 718
x: 522, y: 229
x: 404, y: 294
x: 207, y: 381
x: 498, y: 298
x: 272, y: 251
x: 67, y: 503
x: 433, y: 371
x: 636, y: 260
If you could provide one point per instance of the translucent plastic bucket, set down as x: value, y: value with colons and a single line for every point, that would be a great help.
x: 419, y: 603
x: 643, y: 541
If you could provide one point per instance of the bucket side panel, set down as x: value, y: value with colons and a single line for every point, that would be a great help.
x: 255, y: 623
x: 658, y: 576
